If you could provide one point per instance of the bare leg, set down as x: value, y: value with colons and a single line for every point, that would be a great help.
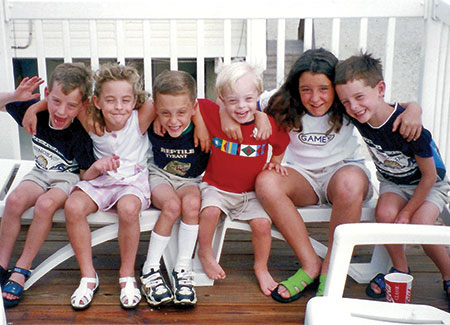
x: 209, y: 217
x: 44, y: 209
x: 165, y: 199
x: 427, y: 215
x: 22, y: 198
x: 262, y: 240
x: 128, y: 209
x: 388, y: 207
x: 347, y: 189
x: 78, y: 206
x: 280, y: 196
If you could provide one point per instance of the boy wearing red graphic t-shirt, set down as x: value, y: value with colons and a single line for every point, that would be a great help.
x: 229, y: 180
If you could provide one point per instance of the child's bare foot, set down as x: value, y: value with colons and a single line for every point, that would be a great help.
x: 212, y: 269
x: 266, y: 282
x: 18, y: 278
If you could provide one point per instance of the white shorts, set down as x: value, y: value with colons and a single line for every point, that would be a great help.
x: 159, y: 176
x: 238, y: 206
x: 65, y: 181
x: 438, y: 195
x: 320, y: 178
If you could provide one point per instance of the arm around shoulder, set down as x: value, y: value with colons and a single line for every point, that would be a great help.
x: 409, y: 123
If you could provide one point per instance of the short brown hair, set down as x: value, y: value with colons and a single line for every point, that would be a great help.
x: 359, y: 67
x: 72, y: 76
x: 171, y: 82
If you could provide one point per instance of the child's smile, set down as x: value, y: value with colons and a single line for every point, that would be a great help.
x: 316, y: 92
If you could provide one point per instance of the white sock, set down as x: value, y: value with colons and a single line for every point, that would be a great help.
x: 187, y: 236
x: 156, y: 248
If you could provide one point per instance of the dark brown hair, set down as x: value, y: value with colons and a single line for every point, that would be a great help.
x: 286, y: 106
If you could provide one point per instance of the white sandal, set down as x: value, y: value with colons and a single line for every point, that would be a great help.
x: 130, y: 295
x: 82, y: 297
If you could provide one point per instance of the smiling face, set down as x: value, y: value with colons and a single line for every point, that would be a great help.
x: 116, y: 101
x: 63, y: 108
x: 175, y: 112
x: 316, y: 92
x: 241, y: 102
x: 362, y: 101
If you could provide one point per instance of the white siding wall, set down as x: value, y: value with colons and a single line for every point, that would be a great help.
x: 133, y: 33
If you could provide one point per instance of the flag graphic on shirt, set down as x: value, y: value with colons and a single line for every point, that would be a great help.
x: 248, y: 150
x: 233, y: 148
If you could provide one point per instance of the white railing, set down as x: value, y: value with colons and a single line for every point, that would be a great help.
x: 178, y: 29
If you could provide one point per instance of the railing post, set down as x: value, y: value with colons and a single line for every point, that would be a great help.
x: 433, y: 90
x: 9, y: 141
x: 256, y: 42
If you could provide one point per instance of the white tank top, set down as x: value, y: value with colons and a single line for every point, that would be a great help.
x: 128, y: 143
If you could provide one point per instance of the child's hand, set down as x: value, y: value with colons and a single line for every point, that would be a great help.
x: 106, y: 164
x: 26, y: 87
x: 201, y: 135
x: 409, y: 123
x: 403, y: 217
x: 158, y: 128
x: 263, y: 126
x: 29, y: 120
x: 277, y: 167
x: 90, y: 123
x: 230, y: 127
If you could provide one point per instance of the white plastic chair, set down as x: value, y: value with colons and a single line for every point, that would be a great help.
x: 332, y: 308
x: 2, y: 311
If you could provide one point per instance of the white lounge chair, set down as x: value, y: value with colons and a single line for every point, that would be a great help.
x: 332, y: 308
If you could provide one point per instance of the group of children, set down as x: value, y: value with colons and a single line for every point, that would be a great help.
x: 146, y: 153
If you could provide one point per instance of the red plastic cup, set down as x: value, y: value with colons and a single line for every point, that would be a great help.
x: 398, y: 287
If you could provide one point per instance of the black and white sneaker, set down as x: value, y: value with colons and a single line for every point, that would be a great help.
x: 184, y: 292
x: 155, y: 289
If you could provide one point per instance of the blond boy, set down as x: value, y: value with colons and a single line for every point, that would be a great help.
x: 228, y: 183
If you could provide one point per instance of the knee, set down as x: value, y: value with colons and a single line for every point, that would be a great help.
x: 172, y: 209
x: 210, y: 214
x: 261, y: 227
x: 44, y: 208
x: 16, y: 202
x: 349, y: 190
x: 385, y: 214
x: 191, y: 206
x: 129, y: 213
x: 265, y: 185
x: 73, y: 210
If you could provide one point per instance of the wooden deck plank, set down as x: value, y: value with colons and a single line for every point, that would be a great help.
x: 237, y: 299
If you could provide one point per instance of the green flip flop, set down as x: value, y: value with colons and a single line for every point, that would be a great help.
x: 295, y: 286
x: 321, y: 289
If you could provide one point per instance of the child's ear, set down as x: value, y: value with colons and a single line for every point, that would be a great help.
x: 95, y: 101
x: 46, y: 92
x: 381, y: 87
x: 195, y: 107
x: 85, y: 104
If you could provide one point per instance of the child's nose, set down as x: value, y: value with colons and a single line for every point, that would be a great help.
x: 315, y: 95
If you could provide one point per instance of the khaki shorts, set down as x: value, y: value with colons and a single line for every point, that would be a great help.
x: 159, y: 176
x: 320, y: 178
x: 238, y: 206
x: 438, y: 195
x: 64, y: 181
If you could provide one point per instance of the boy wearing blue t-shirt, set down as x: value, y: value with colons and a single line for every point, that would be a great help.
x: 413, y: 185
x: 62, y: 151
x: 175, y: 173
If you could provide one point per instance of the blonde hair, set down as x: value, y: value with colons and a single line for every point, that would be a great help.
x: 117, y: 72
x: 229, y: 74
x: 175, y: 83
